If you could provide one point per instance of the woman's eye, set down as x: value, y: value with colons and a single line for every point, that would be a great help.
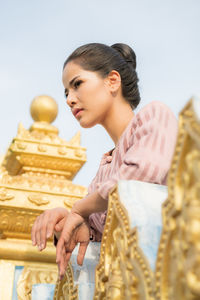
x: 77, y: 84
x: 66, y: 94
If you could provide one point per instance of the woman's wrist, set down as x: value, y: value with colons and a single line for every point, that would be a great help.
x: 90, y: 204
x: 77, y: 209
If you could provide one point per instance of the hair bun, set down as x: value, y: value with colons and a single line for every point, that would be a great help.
x: 126, y: 52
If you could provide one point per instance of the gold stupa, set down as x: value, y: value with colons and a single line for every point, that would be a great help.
x: 36, y: 174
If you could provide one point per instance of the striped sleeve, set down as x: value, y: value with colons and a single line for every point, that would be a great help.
x: 149, y: 157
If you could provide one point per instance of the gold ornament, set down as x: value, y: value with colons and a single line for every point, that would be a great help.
x: 34, y: 275
x: 123, y: 271
x: 44, y: 109
x: 178, y: 259
x: 5, y: 195
x: 65, y: 289
x: 38, y: 199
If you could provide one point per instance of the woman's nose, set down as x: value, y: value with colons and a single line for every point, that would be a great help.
x: 71, y: 100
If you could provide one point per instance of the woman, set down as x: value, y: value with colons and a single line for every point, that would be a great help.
x: 101, y: 86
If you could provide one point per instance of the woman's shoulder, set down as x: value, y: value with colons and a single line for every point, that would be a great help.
x: 155, y: 107
x: 152, y: 118
x: 157, y: 112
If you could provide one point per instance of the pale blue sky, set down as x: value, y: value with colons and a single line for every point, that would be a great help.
x: 37, y: 36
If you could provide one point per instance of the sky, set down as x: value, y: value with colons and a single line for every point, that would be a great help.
x: 37, y: 36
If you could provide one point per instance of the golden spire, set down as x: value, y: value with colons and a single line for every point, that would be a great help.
x: 44, y: 109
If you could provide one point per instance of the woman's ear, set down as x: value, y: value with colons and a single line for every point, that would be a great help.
x: 113, y: 81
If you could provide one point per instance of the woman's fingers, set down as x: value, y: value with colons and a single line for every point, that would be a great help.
x: 73, y: 220
x: 81, y: 252
x: 54, y: 217
x: 60, y: 249
x: 59, y: 226
x: 43, y: 232
x: 62, y: 265
x: 38, y: 233
x: 66, y: 246
x: 44, y: 226
x: 65, y: 257
x: 33, y: 232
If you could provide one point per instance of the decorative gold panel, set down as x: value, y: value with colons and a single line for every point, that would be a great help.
x: 34, y: 275
x: 178, y: 259
x: 123, y: 272
x: 15, y: 221
x: 65, y: 289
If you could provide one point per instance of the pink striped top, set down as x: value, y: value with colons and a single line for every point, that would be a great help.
x: 144, y: 152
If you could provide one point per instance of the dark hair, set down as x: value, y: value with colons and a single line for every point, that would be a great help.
x: 103, y: 59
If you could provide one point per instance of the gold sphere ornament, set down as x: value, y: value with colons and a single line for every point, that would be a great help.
x: 44, y: 109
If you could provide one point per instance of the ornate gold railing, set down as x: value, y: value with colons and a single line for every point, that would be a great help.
x: 178, y: 260
x: 123, y: 271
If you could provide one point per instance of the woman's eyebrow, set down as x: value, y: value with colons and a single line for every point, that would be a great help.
x: 72, y: 81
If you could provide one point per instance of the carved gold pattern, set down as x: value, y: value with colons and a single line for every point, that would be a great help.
x: 45, y: 182
x: 42, y: 148
x: 123, y: 271
x: 5, y: 195
x: 65, y: 289
x: 38, y: 199
x: 34, y: 275
x: 21, y: 146
x: 17, y: 220
x: 62, y: 151
x: 178, y: 259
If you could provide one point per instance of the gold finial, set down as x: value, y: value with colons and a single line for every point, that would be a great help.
x: 44, y: 109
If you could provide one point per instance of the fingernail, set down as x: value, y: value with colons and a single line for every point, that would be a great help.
x: 48, y: 234
x: 41, y: 246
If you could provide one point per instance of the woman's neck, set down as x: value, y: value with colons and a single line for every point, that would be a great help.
x: 117, y: 121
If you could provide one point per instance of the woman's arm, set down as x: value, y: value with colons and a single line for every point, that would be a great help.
x: 90, y: 204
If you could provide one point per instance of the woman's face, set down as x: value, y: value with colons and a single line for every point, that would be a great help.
x: 88, y: 95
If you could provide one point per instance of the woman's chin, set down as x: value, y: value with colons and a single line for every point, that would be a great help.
x: 86, y: 124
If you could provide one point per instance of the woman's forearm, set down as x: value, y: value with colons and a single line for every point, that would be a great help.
x: 90, y: 204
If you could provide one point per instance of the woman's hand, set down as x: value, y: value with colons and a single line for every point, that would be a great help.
x: 44, y: 225
x: 75, y: 230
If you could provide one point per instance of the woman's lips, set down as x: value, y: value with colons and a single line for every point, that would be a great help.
x: 77, y: 112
